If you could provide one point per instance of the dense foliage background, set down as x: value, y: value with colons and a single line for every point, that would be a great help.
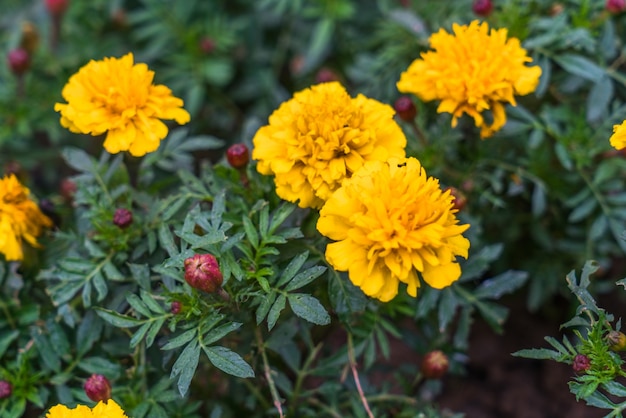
x: 543, y: 195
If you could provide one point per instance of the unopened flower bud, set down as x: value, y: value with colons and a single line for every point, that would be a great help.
x: 434, y: 365
x: 122, y: 218
x: 238, y: 155
x: 56, y: 7
x: 616, y: 6
x: 556, y: 9
x: 98, y: 388
x: 30, y: 37
x: 324, y: 75
x: 68, y: 189
x: 207, y: 45
x: 203, y: 273
x: 175, y: 307
x: 581, y: 363
x: 458, y: 198
x: 405, y: 108
x: 616, y: 340
x: 5, y: 389
x: 19, y: 61
x: 482, y: 7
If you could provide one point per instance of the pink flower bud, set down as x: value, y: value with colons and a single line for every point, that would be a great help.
x: 19, y: 61
x: 405, y: 108
x: 56, y: 7
x: 175, y: 307
x: 581, y: 363
x: 203, y: 273
x: 98, y: 388
x: 5, y: 389
x: 123, y: 218
x: 482, y: 7
x: 459, y: 200
x: 434, y: 365
x: 616, y: 6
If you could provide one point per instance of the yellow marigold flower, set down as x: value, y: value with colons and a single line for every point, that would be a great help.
x: 20, y: 218
x: 390, y: 220
x: 618, y: 139
x: 320, y: 137
x: 102, y: 410
x: 471, y: 71
x: 116, y: 97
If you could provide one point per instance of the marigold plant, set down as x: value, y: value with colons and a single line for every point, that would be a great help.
x: 390, y: 220
x: 20, y: 218
x: 320, y: 137
x: 108, y: 409
x: 472, y: 70
x: 116, y: 97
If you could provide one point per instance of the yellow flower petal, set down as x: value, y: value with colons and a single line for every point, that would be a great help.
x: 390, y: 221
x: 117, y: 97
x: 20, y: 218
x: 322, y: 136
x: 471, y: 71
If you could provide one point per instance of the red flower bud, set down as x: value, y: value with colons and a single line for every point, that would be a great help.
x: 581, y: 363
x: 203, y: 273
x: 616, y: 6
x: 458, y: 198
x: 405, y: 108
x: 68, y: 189
x: 5, y: 389
x: 207, y: 45
x: 98, y: 388
x: 175, y: 307
x: 19, y: 61
x: 56, y: 7
x: 325, y: 75
x: 123, y: 218
x: 238, y: 155
x: 482, y: 7
x: 434, y: 365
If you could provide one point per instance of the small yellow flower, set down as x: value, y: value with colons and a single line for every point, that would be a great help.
x: 390, y: 220
x: 20, y: 218
x: 618, y: 139
x: 320, y: 137
x: 116, y: 97
x: 471, y: 71
x: 102, y: 410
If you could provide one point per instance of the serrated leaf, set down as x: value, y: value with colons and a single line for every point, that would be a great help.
x: 305, y: 277
x: 112, y: 272
x: 228, y: 361
x: 185, y: 366
x: 167, y: 240
x: 152, y: 304
x: 279, y: 216
x: 292, y: 268
x: 309, y: 308
x: 181, y: 339
x: 117, y: 319
x: 502, y: 284
x: 580, y: 66
x: 447, y: 308
x: 275, y: 311
x: 139, y: 335
x: 220, y: 332
x: 263, y: 309
x: 138, y: 305
x: 78, y: 159
x: 6, y: 338
x: 251, y: 233
x: 154, y: 330
x: 599, y: 98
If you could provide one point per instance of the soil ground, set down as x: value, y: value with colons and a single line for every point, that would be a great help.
x: 499, y: 385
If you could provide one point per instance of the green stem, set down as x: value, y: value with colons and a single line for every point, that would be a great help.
x: 300, y: 379
x: 327, y: 409
x: 268, y: 373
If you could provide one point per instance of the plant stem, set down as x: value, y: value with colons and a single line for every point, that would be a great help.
x: 355, y: 374
x: 268, y: 373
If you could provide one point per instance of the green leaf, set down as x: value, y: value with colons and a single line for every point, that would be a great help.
x: 181, y: 339
x: 599, y: 98
x: 138, y: 305
x: 112, y: 272
x: 78, y: 159
x: 6, y: 338
x: 502, y: 284
x: 117, y: 319
x: 292, y: 268
x: 275, y: 311
x: 580, y: 66
x: 264, y: 307
x: 154, y: 330
x: 220, y: 332
x: 345, y: 297
x: 141, y: 274
x: 308, y: 308
x: 167, y: 240
x: 45, y: 349
x: 185, y: 366
x: 251, y: 232
x: 280, y: 215
x: 148, y: 299
x: 139, y: 335
x: 447, y: 308
x: 305, y: 277
x: 583, y: 210
x: 228, y: 361
x: 538, y: 354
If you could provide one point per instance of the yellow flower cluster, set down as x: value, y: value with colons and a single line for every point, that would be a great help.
x: 471, y: 71
x: 20, y: 218
x: 321, y: 137
x: 390, y: 220
x: 102, y: 410
x: 116, y: 97
x: 618, y: 139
